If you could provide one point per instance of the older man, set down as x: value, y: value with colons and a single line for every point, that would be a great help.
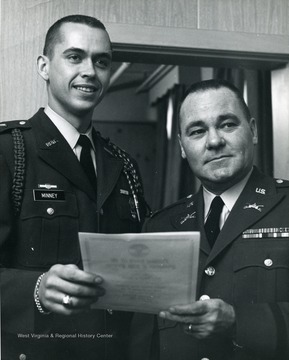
x: 242, y: 307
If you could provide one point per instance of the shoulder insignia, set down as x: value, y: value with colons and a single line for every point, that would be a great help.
x: 129, y: 170
x: 14, y: 124
x: 129, y: 167
x: 15, y: 129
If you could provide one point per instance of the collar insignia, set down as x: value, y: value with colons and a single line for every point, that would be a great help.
x: 254, y: 206
x: 51, y: 142
x: 261, y: 191
x: 190, y: 204
x: 188, y: 216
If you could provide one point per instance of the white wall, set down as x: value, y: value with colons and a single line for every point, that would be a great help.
x: 280, y: 109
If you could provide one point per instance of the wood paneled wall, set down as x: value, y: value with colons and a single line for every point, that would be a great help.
x: 25, y: 22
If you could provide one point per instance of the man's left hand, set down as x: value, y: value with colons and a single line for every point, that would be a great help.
x: 203, y: 319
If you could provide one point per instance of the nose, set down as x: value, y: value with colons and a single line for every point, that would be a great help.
x: 88, y: 69
x: 214, y: 139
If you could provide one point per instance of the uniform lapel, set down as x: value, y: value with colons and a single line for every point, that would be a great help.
x: 191, y: 218
x: 108, y: 169
x: 55, y: 151
x: 256, y: 200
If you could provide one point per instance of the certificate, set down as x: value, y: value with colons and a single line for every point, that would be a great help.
x: 145, y: 272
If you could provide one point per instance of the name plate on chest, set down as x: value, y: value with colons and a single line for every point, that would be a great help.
x: 48, y: 195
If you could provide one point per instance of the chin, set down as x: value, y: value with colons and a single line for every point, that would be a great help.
x: 221, y: 174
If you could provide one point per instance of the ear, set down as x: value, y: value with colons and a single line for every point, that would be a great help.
x: 182, y: 149
x: 253, y: 127
x: 43, y: 67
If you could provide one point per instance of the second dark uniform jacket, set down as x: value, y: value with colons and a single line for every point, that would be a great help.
x: 248, y: 267
x: 55, y: 201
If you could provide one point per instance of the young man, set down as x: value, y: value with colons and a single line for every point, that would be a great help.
x: 242, y: 303
x: 59, y: 177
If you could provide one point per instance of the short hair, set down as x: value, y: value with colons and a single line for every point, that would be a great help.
x: 53, y: 33
x: 211, y: 85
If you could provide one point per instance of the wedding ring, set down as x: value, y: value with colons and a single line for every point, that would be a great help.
x: 66, y: 300
x: 188, y: 329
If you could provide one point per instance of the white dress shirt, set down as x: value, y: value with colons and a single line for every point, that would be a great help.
x: 229, y: 198
x: 70, y: 133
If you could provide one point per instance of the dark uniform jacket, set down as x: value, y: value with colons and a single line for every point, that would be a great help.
x: 56, y: 201
x: 248, y: 267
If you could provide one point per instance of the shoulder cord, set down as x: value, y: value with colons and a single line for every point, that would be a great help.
x: 130, y: 173
x: 19, y: 169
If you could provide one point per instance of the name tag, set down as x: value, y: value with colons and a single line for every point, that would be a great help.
x: 48, y: 195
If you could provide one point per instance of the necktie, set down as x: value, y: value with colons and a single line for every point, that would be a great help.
x: 86, y: 159
x: 212, y: 226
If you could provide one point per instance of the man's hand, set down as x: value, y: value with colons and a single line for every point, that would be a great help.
x: 204, y: 319
x: 61, y: 280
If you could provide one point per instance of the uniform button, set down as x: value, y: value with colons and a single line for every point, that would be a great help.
x: 101, y: 211
x: 50, y: 211
x: 109, y: 311
x: 268, y: 262
x: 279, y: 181
x: 210, y: 271
x: 22, y: 122
x: 205, y: 297
x: 205, y: 359
x: 22, y: 357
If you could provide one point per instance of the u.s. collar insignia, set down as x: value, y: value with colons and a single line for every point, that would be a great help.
x: 253, y: 206
x: 261, y: 191
x: 188, y: 216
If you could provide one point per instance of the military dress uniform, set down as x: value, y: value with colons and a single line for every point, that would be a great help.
x: 248, y: 267
x: 52, y: 200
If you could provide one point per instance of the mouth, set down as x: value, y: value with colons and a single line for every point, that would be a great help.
x: 88, y: 89
x: 217, y: 158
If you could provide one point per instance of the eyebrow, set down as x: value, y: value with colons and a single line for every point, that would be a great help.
x: 220, y: 118
x: 193, y: 124
x: 228, y: 116
x: 107, y: 54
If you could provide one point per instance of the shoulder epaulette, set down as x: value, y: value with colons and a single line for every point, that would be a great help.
x: 171, y: 206
x: 281, y: 183
x: 14, y: 124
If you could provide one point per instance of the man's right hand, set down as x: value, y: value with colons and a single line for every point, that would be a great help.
x: 62, y: 281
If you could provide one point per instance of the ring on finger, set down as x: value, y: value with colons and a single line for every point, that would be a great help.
x: 66, y: 300
x: 189, y: 329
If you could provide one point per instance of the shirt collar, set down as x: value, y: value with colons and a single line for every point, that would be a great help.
x: 229, y: 196
x: 67, y: 130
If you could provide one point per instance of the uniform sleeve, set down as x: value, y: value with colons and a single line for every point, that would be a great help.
x: 17, y: 286
x: 6, y: 211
